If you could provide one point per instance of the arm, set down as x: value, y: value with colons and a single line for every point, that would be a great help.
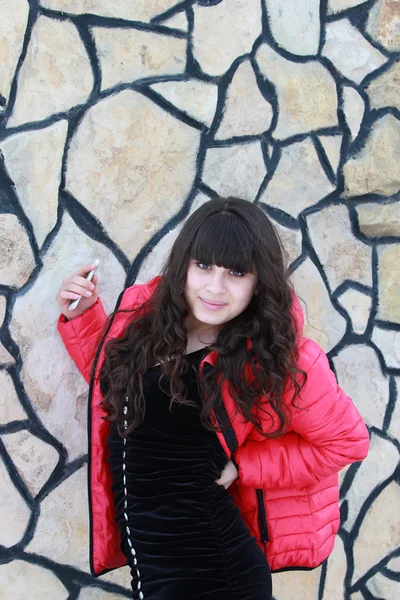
x: 325, y: 437
x: 80, y: 336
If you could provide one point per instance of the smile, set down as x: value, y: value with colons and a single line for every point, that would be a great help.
x: 211, y: 305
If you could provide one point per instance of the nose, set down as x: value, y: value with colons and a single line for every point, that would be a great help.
x: 216, y: 282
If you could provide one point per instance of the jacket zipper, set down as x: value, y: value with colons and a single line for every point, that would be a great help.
x: 262, y: 519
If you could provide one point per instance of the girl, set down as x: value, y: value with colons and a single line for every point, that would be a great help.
x: 216, y: 430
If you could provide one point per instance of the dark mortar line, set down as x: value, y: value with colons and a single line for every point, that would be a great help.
x: 93, y: 20
x: 347, y: 12
x: 267, y: 90
x: 389, y: 574
x: 346, y: 142
x: 13, y: 426
x: 323, y: 9
x: 86, y: 35
x: 15, y: 477
x: 386, y: 53
x: 171, y: 12
x: 367, y: 595
x: 205, y: 189
x: 373, y: 198
x: 280, y: 216
x: 369, y: 120
x: 3, y: 100
x: 348, y: 542
x: 380, y: 433
x: 330, y: 199
x: 323, y: 159
x: 348, y: 480
x: 193, y: 68
x: 322, y: 580
x: 296, y: 264
x: 391, y: 405
x: 236, y: 140
x: 61, y: 473
x: 382, y: 361
x: 360, y: 15
x: 350, y: 284
x: 170, y: 108
x: 66, y: 574
x: 378, y: 72
x: 300, y: 137
x: 374, y: 570
x: 387, y: 325
x: 32, y: 17
x: 91, y: 226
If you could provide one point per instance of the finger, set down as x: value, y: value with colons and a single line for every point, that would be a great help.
x: 81, y: 281
x: 84, y: 269
x: 64, y: 295
x: 78, y: 289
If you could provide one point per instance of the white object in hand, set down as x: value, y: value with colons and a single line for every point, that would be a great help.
x: 89, y: 277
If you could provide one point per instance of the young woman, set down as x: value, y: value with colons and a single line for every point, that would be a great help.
x: 216, y: 430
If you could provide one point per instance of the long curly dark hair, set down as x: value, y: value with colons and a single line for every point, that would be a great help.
x: 234, y: 234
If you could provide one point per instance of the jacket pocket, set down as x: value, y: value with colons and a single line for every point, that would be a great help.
x: 262, y: 519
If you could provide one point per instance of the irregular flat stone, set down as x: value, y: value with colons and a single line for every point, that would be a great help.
x: 384, y: 90
x: 359, y: 374
x: 13, y: 509
x: 388, y: 342
x: 322, y: 323
x: 299, y: 180
x: 56, y: 390
x: 33, y: 161
x: 5, y: 357
x: 353, y: 109
x: 306, y: 93
x: 382, y: 587
x: 380, y: 464
x: 197, y: 99
x: 121, y: 576
x: 56, y: 73
x: 389, y: 282
x: 336, y: 6
x: 95, y: 593
x: 336, y: 573
x: 332, y: 145
x: 246, y: 112
x: 12, y: 30
x: 378, y: 219
x: 151, y: 266
x: 236, y: 170
x: 291, y: 240
x: 342, y: 255
x: 34, y: 459
x: 383, y: 24
x: 358, y: 307
x: 140, y: 10
x: 376, y: 168
x: 394, y: 564
x: 17, y: 577
x: 10, y: 407
x: 133, y: 54
x: 178, y: 21
x: 349, y: 51
x: 3, y: 306
x: 132, y: 164
x: 62, y: 531
x: 236, y: 22
x: 16, y: 257
x: 304, y: 582
x: 296, y: 27
x: 394, y: 426
x: 380, y: 531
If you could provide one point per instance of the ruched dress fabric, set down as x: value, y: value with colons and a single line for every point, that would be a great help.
x: 182, y: 534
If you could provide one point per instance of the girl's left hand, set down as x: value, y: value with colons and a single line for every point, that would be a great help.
x: 228, y: 475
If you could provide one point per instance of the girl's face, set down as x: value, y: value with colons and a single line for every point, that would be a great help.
x: 216, y: 295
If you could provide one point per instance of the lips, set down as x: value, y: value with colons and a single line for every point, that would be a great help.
x: 212, y: 305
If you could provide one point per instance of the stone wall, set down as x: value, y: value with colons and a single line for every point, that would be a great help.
x: 119, y: 118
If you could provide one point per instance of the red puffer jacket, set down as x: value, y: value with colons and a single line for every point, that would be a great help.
x: 287, y: 489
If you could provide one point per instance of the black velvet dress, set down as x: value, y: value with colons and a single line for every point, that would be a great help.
x: 181, y: 532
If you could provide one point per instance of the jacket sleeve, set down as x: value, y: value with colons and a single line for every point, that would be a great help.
x: 81, y: 334
x: 326, y: 434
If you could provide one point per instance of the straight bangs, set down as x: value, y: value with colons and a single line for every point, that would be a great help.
x: 224, y: 240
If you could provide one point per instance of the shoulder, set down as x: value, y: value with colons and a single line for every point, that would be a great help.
x: 310, y: 355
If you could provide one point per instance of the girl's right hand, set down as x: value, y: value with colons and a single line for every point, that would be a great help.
x: 74, y: 286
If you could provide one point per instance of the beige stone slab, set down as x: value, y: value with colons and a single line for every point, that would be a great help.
x: 291, y: 240
x: 336, y: 573
x: 33, y: 161
x: 197, y: 99
x: 299, y: 181
x: 376, y: 167
x: 139, y: 10
x: 236, y: 22
x: 236, y: 170
x: 322, y: 323
x: 132, y: 165
x: 12, y: 30
x: 56, y: 73
x: 3, y: 306
x: 10, y: 407
x: 178, y: 21
x: 306, y: 92
x: 384, y: 90
x: 57, y: 391
x: 62, y: 532
x: 129, y: 54
x: 336, y: 6
x: 14, y: 512
x: 389, y: 282
x: 34, y: 459
x: 353, y: 109
x: 295, y: 26
x: 349, y: 51
x: 379, y: 532
x: 360, y: 375
x: 358, y: 307
x: 95, y: 593
x: 383, y: 24
x: 305, y: 583
x: 342, y: 255
x: 17, y: 577
x: 121, y: 576
x: 388, y: 342
x: 378, y: 219
x: 5, y: 357
x: 394, y: 426
x: 16, y: 257
x: 246, y: 112
x: 332, y: 145
x: 382, y: 587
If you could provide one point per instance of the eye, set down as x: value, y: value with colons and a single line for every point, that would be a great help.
x: 201, y: 264
x: 240, y: 273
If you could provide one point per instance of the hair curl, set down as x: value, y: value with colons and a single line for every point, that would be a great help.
x: 235, y: 234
